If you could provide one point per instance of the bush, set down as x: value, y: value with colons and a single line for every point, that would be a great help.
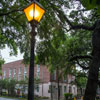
x: 68, y: 96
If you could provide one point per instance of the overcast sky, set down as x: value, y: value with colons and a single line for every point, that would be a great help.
x: 8, y: 58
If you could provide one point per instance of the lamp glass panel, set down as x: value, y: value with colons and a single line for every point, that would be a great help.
x: 31, y: 15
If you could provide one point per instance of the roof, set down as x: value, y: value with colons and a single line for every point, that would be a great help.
x: 18, y: 62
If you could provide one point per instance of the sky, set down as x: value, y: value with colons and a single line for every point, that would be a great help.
x: 8, y: 58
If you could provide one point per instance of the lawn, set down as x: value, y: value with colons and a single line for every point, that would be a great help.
x: 14, y: 97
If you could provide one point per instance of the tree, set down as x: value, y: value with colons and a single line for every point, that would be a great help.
x: 81, y: 80
x: 13, y: 27
x: 8, y: 85
x: 11, y: 87
x: 3, y: 85
x: 49, y: 53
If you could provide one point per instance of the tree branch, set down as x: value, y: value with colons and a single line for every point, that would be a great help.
x: 27, y: 1
x: 85, y: 68
x: 90, y: 28
x: 16, y: 21
x: 80, y: 57
x: 81, y: 75
x: 13, y: 11
x: 62, y: 15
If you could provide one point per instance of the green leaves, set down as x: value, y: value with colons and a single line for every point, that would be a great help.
x: 91, y: 4
x: 81, y: 82
x: 1, y: 63
x: 13, y: 26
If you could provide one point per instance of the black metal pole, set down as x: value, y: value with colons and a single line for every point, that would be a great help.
x: 31, y: 67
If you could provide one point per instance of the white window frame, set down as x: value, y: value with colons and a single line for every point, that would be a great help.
x: 38, y: 72
x: 54, y: 75
x: 25, y: 72
x: 4, y: 74
x: 65, y: 79
x: 10, y: 73
x: 37, y: 88
x: 14, y: 74
x: 19, y: 74
x: 65, y: 89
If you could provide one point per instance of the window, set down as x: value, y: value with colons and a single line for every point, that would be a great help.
x: 65, y: 79
x: 50, y: 87
x: 54, y: 76
x: 14, y: 74
x: 10, y: 73
x: 19, y: 74
x: 70, y: 89
x: 4, y: 75
x: 65, y: 89
x: 25, y: 72
x: 60, y: 87
x: 73, y: 78
x: 37, y: 88
x: 74, y: 89
x: 38, y: 72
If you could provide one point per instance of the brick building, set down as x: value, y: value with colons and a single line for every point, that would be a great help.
x: 17, y: 70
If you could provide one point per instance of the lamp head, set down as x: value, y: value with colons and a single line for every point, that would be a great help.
x: 34, y: 11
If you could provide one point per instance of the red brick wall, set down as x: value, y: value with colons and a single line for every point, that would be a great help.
x: 44, y: 73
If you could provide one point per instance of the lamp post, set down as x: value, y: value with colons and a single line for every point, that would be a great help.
x: 34, y: 13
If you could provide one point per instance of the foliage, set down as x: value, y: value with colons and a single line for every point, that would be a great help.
x: 4, y: 83
x: 23, y: 81
x: 9, y: 85
x: 53, y: 23
x: 91, y: 4
x: 13, y: 27
x: 68, y: 96
x: 1, y: 63
x: 48, y: 51
x: 59, y: 46
x: 81, y: 79
x: 58, y: 52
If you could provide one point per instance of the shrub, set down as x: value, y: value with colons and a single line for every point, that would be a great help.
x: 68, y: 96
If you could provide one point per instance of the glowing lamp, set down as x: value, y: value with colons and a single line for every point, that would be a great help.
x: 34, y: 12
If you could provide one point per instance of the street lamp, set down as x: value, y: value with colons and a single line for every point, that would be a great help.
x: 34, y: 13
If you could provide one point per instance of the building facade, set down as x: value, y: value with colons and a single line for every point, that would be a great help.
x: 48, y: 83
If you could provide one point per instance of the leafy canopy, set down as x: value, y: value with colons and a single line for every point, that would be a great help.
x: 91, y: 4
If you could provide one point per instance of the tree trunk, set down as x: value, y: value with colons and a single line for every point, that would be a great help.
x: 81, y: 91
x: 1, y: 91
x: 90, y: 92
x: 51, y: 90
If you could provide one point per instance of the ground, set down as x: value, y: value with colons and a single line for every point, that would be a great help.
x: 1, y: 98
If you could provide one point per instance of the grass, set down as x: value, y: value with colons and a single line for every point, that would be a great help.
x: 19, y: 98
x: 14, y: 97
